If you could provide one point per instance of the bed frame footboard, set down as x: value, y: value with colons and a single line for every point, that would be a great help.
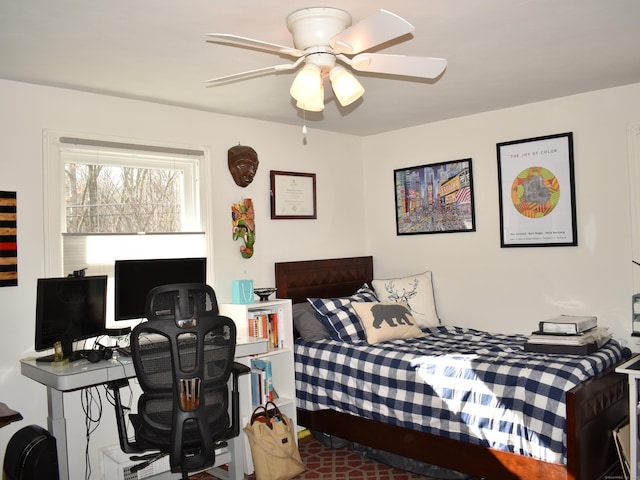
x: 594, y: 409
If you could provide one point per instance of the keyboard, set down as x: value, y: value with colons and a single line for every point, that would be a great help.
x: 124, y: 351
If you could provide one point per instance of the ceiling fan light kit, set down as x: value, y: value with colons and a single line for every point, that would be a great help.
x: 307, y: 83
x: 315, y: 104
x: 324, y: 35
x: 345, y: 86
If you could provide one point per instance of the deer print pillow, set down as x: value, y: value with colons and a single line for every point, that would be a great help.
x: 416, y: 291
x: 386, y: 321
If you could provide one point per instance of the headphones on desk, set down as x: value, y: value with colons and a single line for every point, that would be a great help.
x: 99, y: 353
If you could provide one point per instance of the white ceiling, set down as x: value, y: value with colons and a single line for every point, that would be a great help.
x: 500, y: 53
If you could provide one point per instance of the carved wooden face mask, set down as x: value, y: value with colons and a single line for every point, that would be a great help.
x: 243, y: 164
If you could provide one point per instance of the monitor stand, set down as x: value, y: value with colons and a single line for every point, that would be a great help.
x: 48, y: 358
x: 66, y: 348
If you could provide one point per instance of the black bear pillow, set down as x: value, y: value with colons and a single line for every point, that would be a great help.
x: 386, y: 321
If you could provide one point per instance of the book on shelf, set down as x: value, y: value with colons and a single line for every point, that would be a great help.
x: 265, y: 324
x: 282, y: 330
x: 261, y: 381
x: 568, y: 324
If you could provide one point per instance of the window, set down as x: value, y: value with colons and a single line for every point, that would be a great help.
x: 107, y: 199
x: 120, y: 198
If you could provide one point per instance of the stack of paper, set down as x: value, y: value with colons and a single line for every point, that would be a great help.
x: 598, y: 335
x: 568, y: 334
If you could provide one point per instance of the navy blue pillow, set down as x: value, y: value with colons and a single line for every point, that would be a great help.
x: 340, y: 318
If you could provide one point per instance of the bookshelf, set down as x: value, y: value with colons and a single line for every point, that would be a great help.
x: 635, y: 315
x: 632, y: 369
x: 279, y: 354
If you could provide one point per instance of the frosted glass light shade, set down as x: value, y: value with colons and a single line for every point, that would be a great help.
x: 316, y: 104
x: 307, y: 84
x: 345, y: 86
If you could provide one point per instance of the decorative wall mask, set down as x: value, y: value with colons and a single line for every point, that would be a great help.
x: 244, y: 226
x: 243, y: 164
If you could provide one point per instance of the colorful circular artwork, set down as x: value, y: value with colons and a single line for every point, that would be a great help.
x: 535, y: 192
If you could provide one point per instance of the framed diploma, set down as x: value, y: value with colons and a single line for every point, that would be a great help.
x: 293, y: 195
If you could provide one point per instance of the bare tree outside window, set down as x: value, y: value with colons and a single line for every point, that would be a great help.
x: 115, y: 199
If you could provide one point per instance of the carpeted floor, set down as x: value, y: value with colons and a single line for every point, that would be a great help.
x: 339, y: 464
x: 345, y: 464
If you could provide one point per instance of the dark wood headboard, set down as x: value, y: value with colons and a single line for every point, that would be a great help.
x: 334, y: 277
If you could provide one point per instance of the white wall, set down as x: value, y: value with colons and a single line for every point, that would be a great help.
x: 477, y: 283
x: 27, y: 110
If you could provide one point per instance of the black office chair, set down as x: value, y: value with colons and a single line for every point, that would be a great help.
x: 183, y: 357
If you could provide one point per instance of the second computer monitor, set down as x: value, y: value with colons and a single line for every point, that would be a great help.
x: 134, y: 279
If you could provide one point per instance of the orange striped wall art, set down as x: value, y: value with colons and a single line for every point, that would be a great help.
x: 8, y: 240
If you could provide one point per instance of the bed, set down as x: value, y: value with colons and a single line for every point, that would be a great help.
x: 594, y: 407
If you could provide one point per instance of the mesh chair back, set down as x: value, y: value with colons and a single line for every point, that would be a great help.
x: 183, y: 356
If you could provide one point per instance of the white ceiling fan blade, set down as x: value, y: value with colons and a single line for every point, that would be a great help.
x: 251, y: 73
x: 250, y: 42
x: 423, y: 67
x: 369, y: 32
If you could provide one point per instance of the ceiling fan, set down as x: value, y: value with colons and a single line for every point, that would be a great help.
x: 324, y: 36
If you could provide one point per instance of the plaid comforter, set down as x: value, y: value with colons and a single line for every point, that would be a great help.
x: 464, y: 384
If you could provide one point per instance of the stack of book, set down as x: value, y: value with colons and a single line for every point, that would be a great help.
x: 264, y: 324
x: 262, y: 390
x: 568, y: 334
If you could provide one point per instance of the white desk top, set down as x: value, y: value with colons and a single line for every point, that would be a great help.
x: 77, y: 374
x: 82, y: 373
x: 630, y: 367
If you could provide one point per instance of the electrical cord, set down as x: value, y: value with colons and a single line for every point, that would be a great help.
x: 90, y: 401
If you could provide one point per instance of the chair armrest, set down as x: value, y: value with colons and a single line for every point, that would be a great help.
x: 126, y: 445
x: 239, y: 369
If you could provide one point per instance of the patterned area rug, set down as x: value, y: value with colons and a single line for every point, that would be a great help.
x: 339, y: 464
x: 345, y: 464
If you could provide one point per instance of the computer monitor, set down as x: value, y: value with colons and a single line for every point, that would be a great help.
x: 134, y: 279
x: 69, y: 309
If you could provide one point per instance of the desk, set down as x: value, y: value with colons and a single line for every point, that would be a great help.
x: 632, y: 369
x: 81, y: 373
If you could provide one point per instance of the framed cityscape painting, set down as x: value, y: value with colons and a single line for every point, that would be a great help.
x: 435, y: 198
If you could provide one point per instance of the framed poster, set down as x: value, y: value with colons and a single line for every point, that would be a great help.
x: 435, y: 198
x: 537, y: 192
x: 293, y: 195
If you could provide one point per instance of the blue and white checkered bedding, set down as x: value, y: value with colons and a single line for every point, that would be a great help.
x: 464, y: 384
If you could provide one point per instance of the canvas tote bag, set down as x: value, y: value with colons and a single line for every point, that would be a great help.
x: 273, y: 444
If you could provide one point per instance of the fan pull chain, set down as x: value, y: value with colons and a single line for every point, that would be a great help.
x: 304, y: 122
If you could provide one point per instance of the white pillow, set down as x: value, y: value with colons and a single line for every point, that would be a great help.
x: 386, y: 321
x: 416, y: 291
